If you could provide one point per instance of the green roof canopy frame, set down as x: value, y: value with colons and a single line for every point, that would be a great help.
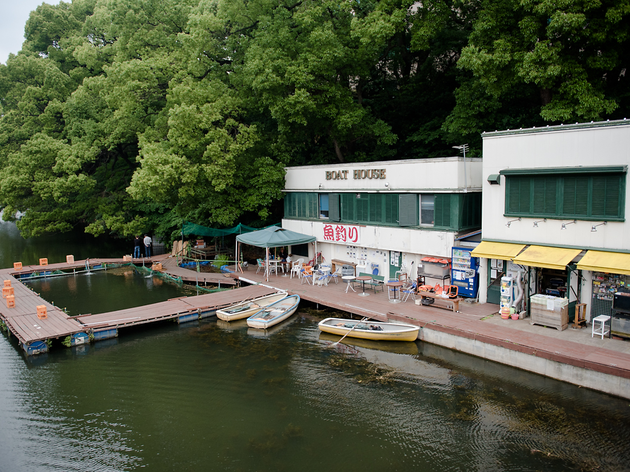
x: 274, y: 236
x: 198, y: 230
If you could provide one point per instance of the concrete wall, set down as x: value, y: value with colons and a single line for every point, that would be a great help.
x: 599, y: 381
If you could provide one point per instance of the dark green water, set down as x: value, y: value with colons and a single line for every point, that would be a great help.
x: 220, y: 396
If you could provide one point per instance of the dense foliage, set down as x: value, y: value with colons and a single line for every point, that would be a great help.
x: 124, y: 116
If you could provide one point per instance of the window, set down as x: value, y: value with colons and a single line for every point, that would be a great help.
x: 427, y: 209
x: 323, y: 205
x: 300, y: 205
x: 581, y: 194
x: 443, y: 211
x: 374, y: 208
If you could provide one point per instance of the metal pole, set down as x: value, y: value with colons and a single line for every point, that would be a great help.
x: 465, y: 175
x: 463, y: 149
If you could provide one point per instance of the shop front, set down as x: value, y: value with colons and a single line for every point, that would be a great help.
x: 610, y: 288
x: 497, y: 255
x: 537, y: 280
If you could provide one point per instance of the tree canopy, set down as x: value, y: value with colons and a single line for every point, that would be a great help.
x: 124, y: 116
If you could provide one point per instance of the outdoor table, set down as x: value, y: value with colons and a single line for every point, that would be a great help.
x: 349, y: 279
x: 275, y: 263
x: 395, y: 285
x: 363, y: 279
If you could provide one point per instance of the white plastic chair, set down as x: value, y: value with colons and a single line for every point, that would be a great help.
x: 296, y: 267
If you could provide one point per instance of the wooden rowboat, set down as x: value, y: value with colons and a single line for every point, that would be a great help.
x: 274, y: 313
x: 375, y: 330
x: 247, y: 308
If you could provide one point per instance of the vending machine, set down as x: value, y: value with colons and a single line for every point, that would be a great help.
x: 464, y: 272
x: 507, y: 296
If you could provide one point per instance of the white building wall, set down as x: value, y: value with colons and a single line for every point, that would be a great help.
x: 561, y: 147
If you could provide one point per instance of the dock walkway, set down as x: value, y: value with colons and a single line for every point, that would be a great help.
x: 28, y: 327
x: 571, y: 355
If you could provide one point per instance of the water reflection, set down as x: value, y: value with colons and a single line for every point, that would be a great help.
x: 289, y: 400
x: 212, y: 396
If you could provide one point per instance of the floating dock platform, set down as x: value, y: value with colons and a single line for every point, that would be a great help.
x: 36, y: 322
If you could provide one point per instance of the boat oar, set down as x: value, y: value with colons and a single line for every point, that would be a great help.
x: 355, y: 325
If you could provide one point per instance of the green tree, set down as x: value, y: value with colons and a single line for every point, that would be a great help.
x: 535, y: 61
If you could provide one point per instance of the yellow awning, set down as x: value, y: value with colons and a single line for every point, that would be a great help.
x: 490, y: 250
x: 547, y: 257
x: 600, y: 261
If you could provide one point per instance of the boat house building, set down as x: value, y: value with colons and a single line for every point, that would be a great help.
x: 387, y: 217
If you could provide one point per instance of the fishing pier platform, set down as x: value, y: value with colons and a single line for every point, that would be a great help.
x: 36, y: 322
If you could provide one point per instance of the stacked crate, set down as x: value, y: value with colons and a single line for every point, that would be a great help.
x: 547, y: 310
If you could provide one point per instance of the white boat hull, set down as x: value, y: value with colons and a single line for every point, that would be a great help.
x: 274, y: 313
x: 243, y: 310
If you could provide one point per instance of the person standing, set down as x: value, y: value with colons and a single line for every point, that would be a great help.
x: 137, y: 243
x: 283, y: 259
x: 147, y: 245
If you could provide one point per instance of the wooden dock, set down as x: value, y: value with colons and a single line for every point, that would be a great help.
x: 33, y: 330
x: 183, y: 309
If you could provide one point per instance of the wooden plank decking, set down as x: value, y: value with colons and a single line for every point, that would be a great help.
x: 473, y: 321
x: 23, y: 322
x: 170, y: 309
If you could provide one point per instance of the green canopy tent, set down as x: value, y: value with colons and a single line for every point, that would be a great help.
x: 189, y: 228
x: 273, y: 236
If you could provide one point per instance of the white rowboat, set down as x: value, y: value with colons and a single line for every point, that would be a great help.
x: 375, y: 330
x: 247, y: 308
x: 274, y: 313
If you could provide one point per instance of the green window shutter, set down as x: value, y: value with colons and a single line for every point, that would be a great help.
x: 519, y: 194
x: 392, y: 211
x: 376, y: 208
x: 302, y: 206
x: 575, y: 195
x: 545, y: 195
x: 347, y: 207
x: 590, y: 195
x: 443, y: 210
x: 313, y: 205
x: 289, y: 205
x: 334, y: 210
x: 408, y: 209
x: 362, y: 206
x: 606, y: 196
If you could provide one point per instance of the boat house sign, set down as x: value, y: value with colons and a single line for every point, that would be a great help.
x: 341, y: 233
x: 358, y: 174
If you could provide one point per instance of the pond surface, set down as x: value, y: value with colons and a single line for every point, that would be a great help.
x: 212, y: 395
x: 107, y: 290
